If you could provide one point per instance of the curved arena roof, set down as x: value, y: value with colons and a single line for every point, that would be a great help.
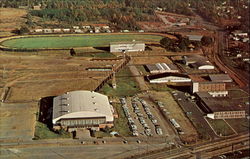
x: 81, y: 104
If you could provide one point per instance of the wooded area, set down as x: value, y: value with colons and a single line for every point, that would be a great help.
x: 125, y: 13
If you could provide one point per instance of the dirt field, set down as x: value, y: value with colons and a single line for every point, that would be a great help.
x: 176, y: 113
x: 11, y: 19
x: 33, y: 77
x: 17, y: 121
x: 150, y: 60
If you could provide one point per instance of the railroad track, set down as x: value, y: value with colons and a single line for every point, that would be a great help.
x: 191, y: 151
x: 238, y: 78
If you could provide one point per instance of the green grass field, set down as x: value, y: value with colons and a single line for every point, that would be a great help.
x: 126, y: 85
x: 43, y: 132
x: 76, y: 41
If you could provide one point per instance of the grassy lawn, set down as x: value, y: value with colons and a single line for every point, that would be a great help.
x: 239, y: 125
x: 126, y: 85
x: 159, y: 87
x: 43, y: 132
x: 120, y: 124
x: 221, y: 127
x: 76, y: 41
x: 142, y: 69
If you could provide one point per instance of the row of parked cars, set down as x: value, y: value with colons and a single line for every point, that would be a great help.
x: 140, y: 116
x: 151, y: 116
x: 131, y: 122
x: 172, y: 120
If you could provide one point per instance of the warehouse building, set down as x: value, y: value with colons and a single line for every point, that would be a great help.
x: 202, y: 84
x: 194, y: 37
x: 168, y: 77
x: 217, y: 108
x: 82, y: 109
x: 220, y: 78
x: 198, y: 62
x: 132, y: 46
x: 161, y: 68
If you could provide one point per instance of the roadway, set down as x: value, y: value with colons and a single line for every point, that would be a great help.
x: 204, y: 150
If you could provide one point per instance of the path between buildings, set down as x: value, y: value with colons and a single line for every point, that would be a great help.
x: 139, y: 79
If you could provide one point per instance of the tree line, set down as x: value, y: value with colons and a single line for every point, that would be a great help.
x: 122, y: 13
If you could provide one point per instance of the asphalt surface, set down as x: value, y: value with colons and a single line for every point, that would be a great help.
x: 193, y: 112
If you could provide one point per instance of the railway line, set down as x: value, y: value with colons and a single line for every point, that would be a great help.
x: 210, y: 148
x: 238, y: 78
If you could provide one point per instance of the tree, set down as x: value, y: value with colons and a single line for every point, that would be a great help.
x: 183, y: 43
x: 168, y: 43
x: 21, y: 31
x: 206, y: 40
x: 29, y: 21
x: 72, y: 52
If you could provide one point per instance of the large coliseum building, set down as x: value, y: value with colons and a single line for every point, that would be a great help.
x: 82, y: 109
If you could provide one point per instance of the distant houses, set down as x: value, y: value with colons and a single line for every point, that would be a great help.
x: 102, y: 28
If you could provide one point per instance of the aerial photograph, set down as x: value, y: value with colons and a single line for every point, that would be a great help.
x: 124, y: 79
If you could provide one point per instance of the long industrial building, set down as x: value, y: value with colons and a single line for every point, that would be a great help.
x: 168, y: 78
x: 161, y: 68
x: 132, y: 46
x: 217, y: 108
x: 82, y: 109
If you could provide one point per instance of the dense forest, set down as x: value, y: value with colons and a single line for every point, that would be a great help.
x: 125, y: 13
x: 121, y: 13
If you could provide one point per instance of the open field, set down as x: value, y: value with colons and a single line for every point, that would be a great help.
x: 43, y: 132
x: 33, y: 77
x: 220, y: 127
x: 10, y: 19
x: 17, y: 121
x: 67, y: 41
x: 239, y: 125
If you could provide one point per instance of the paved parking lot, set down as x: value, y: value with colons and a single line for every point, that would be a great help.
x: 143, y: 119
x: 194, y: 113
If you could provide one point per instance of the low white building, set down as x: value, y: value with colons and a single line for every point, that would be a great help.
x: 47, y: 31
x: 38, y: 30
x: 168, y: 78
x: 127, y: 46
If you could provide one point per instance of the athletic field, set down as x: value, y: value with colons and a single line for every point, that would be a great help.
x: 76, y: 41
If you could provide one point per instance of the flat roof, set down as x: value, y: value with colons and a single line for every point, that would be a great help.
x: 127, y: 42
x: 195, y: 37
x: 198, y: 78
x: 218, y: 104
x: 220, y: 78
x: 81, y: 104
